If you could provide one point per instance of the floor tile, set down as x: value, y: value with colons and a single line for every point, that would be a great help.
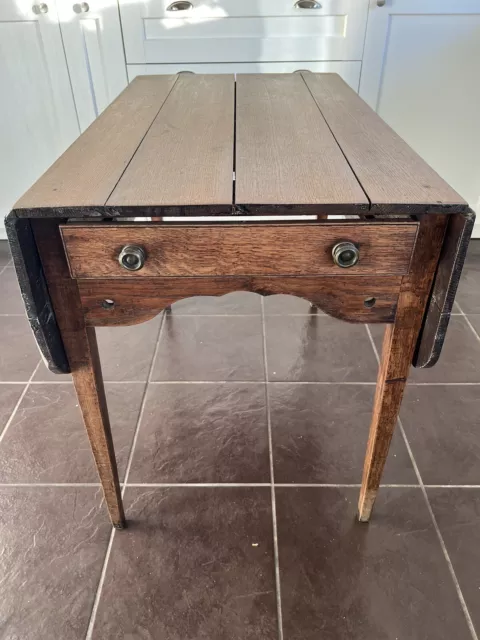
x: 318, y: 349
x: 194, y: 563
x: 232, y: 303
x: 9, y: 395
x: 459, y: 358
x: 457, y: 512
x: 199, y: 348
x: 475, y: 319
x: 203, y: 433
x: 53, y: 544
x: 125, y: 352
x: 320, y: 435
x: 468, y: 295
x: 18, y: 351
x: 5, y: 255
x: 47, y: 442
x: 441, y: 423
x: 345, y: 580
x: 283, y: 305
x: 10, y: 299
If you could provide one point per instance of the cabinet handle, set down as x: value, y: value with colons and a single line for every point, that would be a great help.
x: 381, y: 3
x: 40, y: 8
x: 81, y: 7
x: 180, y: 6
x: 307, y: 4
x: 345, y: 254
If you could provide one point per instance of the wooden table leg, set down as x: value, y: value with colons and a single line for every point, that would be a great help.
x: 81, y: 349
x: 397, y: 353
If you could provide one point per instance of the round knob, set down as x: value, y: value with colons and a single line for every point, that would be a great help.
x: 381, y: 3
x: 40, y: 8
x: 81, y: 7
x: 132, y: 257
x: 345, y: 254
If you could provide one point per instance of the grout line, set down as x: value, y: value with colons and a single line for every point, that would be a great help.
x: 216, y: 485
x: 142, y: 405
x: 96, y: 601
x: 11, y: 315
x: 50, y: 484
x: 202, y: 485
x: 432, y: 515
x: 272, y: 483
x: 258, y: 382
x: 440, y: 537
x: 374, y: 346
x: 467, y: 320
x: 19, y: 401
x: 98, y: 593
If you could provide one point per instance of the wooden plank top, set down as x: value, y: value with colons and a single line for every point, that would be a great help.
x: 285, y: 152
x: 86, y: 174
x: 296, y: 142
x: 392, y: 174
x: 187, y: 157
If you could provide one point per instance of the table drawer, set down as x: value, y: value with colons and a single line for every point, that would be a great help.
x: 246, y: 31
x: 93, y: 251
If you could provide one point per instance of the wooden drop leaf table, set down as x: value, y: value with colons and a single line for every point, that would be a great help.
x: 92, y: 246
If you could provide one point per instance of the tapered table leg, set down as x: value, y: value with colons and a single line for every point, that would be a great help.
x: 397, y: 353
x: 81, y: 349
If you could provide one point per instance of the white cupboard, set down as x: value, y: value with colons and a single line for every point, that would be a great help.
x: 208, y: 31
x: 37, y: 111
x: 94, y: 49
x: 421, y: 73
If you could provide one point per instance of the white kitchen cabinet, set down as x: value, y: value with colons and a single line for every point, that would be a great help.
x: 205, y: 31
x: 421, y: 72
x: 350, y: 71
x: 93, y: 45
x: 38, y: 120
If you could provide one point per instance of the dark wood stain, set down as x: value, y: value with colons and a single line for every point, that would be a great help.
x: 295, y: 249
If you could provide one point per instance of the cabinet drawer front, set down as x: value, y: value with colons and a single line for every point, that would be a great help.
x: 230, y: 250
x: 247, y: 31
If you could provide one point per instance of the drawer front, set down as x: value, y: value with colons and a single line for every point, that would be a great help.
x: 348, y: 70
x: 247, y: 31
x: 93, y: 251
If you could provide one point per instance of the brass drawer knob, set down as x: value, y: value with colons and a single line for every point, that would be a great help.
x: 132, y: 257
x: 345, y: 254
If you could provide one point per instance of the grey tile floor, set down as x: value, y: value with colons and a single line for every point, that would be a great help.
x: 240, y: 427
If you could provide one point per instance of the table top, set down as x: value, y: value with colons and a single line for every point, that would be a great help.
x: 214, y: 144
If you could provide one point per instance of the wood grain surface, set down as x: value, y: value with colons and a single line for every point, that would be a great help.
x: 397, y: 352
x: 275, y: 249
x: 82, y: 353
x: 86, y: 174
x: 393, y: 176
x: 186, y: 157
x: 340, y: 296
x: 285, y: 153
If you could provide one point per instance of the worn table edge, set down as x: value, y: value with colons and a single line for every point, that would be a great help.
x: 444, y: 289
x: 34, y: 291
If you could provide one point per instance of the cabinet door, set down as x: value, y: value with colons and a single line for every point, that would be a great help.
x: 421, y: 72
x: 37, y: 113
x: 93, y: 45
